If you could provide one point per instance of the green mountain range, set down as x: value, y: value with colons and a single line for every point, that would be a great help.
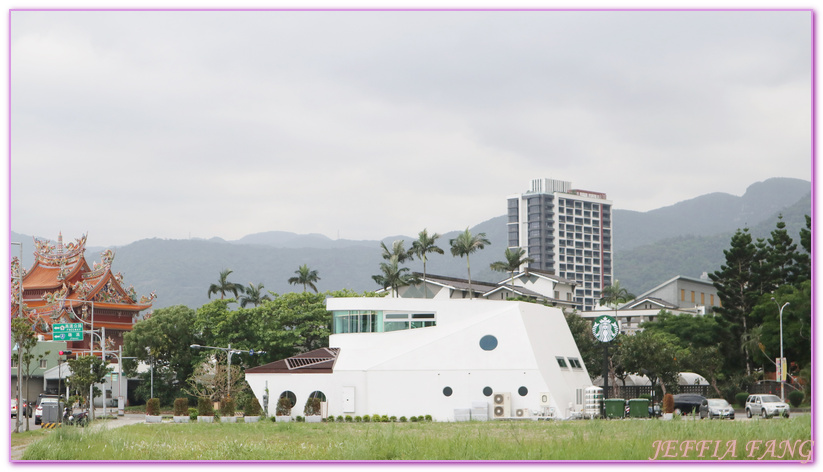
x: 687, y: 238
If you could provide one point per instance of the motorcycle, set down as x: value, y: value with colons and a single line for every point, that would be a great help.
x: 75, y: 419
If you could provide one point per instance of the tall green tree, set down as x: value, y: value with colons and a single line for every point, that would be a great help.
x: 223, y: 286
x: 466, y: 244
x: 305, y: 277
x: 804, y: 269
x: 163, y: 340
x: 613, y: 295
x: 424, y: 245
x: 24, y: 339
x: 782, y: 256
x: 252, y: 295
x: 738, y: 289
x: 397, y: 251
x: 393, y: 276
x: 515, y: 257
x: 85, y: 372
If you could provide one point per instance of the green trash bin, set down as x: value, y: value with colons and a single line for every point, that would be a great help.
x: 639, y: 408
x: 615, y: 407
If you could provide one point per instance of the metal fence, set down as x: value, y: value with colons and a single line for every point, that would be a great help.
x: 635, y: 391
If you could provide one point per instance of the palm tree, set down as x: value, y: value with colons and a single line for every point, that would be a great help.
x: 423, y: 246
x: 514, y: 259
x: 397, y: 251
x: 252, y: 295
x: 614, y: 295
x: 223, y: 285
x: 393, y: 276
x: 305, y: 276
x: 463, y: 245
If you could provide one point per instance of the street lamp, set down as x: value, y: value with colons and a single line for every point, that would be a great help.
x: 782, y: 366
x: 229, y: 352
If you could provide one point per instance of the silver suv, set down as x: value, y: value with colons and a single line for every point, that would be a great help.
x: 766, y: 406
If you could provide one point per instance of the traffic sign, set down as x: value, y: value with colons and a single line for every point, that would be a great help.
x: 67, y: 331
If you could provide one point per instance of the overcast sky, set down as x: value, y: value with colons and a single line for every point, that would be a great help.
x: 128, y: 125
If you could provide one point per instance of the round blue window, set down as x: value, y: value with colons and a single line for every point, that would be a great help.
x: 447, y: 391
x: 488, y: 342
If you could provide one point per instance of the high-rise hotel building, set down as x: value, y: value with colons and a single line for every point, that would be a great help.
x: 567, y: 232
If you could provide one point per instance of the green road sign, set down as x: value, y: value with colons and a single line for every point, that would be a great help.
x: 67, y: 331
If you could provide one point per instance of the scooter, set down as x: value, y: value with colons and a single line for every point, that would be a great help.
x: 75, y: 419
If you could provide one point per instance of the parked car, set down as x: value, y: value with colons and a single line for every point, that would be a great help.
x: 687, y: 402
x: 766, y: 406
x: 24, y: 404
x: 716, y: 408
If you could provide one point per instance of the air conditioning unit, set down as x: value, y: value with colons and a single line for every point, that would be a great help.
x: 545, y: 399
x: 522, y: 413
x: 502, y: 405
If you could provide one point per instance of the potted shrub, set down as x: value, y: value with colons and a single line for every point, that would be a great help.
x: 153, y: 411
x: 252, y: 411
x: 205, y: 410
x: 668, y: 406
x: 181, y: 410
x: 796, y: 397
x: 282, y: 412
x: 227, y: 411
x: 312, y: 410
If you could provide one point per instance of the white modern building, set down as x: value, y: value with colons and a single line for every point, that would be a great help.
x: 451, y: 359
x: 567, y: 232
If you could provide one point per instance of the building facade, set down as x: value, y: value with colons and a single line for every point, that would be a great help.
x: 452, y: 359
x: 567, y: 232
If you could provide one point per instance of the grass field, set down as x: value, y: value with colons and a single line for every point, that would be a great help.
x: 683, y: 439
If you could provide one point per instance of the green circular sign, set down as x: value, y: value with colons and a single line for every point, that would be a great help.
x: 605, y: 328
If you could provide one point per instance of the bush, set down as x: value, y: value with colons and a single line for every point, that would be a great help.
x: 668, y: 403
x: 348, y: 418
x: 312, y: 407
x: 339, y: 418
x: 227, y: 407
x: 205, y: 407
x: 428, y: 417
x: 375, y: 418
x: 283, y: 407
x: 252, y: 407
x: 740, y: 399
x: 181, y: 406
x: 366, y: 418
x: 358, y: 419
x: 403, y: 419
x: 192, y: 413
x: 153, y: 407
x: 796, y: 398
x: 414, y: 419
x: 299, y: 419
x: 393, y: 419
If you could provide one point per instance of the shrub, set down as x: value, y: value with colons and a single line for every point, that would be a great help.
x: 358, y: 419
x: 414, y: 419
x: 227, y: 407
x: 299, y: 419
x: 384, y: 419
x: 366, y: 418
x: 428, y: 417
x: 181, y: 406
x: 283, y: 407
x: 192, y: 413
x: 252, y: 407
x: 205, y: 407
x: 339, y: 418
x: 348, y: 418
x: 402, y: 419
x: 393, y: 419
x: 668, y: 403
x: 153, y: 407
x: 796, y: 398
x: 312, y: 407
x: 375, y: 418
x: 740, y: 399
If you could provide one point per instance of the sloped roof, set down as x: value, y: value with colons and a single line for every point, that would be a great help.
x: 456, y: 283
x: 638, y: 301
x: 319, y: 361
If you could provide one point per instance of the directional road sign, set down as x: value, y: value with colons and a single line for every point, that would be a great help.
x: 67, y: 331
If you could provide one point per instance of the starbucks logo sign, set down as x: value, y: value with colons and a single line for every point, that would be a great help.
x: 605, y: 328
